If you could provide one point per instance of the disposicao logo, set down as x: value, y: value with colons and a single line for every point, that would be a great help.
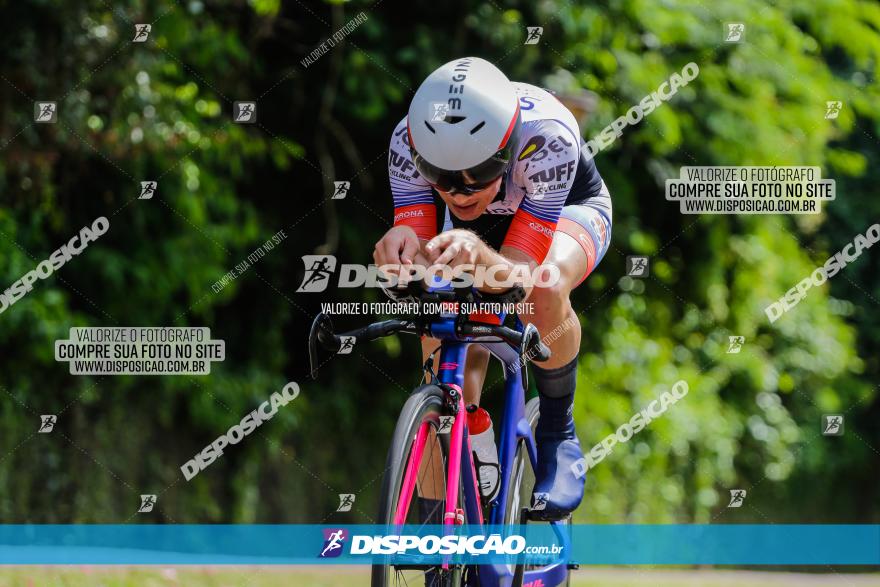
x: 334, y: 541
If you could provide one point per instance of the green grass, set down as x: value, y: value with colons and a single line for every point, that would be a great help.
x: 359, y: 576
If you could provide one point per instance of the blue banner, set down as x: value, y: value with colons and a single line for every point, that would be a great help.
x: 366, y: 544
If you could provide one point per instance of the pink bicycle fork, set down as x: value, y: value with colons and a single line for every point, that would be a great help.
x: 453, y: 475
x: 452, y: 514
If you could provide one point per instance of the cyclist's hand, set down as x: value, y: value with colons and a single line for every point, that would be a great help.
x: 455, y: 247
x: 399, y: 246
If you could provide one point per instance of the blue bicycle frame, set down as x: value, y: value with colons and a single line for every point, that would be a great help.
x: 514, y: 429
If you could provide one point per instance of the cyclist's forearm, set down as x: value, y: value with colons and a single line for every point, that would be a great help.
x: 510, y: 265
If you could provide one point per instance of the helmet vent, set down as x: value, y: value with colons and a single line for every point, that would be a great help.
x: 478, y: 127
x: 430, y: 128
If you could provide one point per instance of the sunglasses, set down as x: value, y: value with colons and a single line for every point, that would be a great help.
x: 465, y: 189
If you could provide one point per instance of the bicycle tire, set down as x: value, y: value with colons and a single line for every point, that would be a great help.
x: 424, y: 404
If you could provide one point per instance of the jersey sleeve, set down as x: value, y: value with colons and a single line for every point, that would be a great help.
x: 413, y: 198
x: 545, y: 171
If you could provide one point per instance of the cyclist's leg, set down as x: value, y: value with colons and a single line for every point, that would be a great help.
x: 581, y: 239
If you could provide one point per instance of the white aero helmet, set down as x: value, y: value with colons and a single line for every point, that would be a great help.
x: 463, y: 125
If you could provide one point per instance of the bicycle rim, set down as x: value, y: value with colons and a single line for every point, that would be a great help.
x: 421, y: 412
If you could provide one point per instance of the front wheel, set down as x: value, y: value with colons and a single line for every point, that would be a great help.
x: 416, y: 467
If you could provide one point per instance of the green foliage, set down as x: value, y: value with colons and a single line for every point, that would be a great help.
x: 161, y: 110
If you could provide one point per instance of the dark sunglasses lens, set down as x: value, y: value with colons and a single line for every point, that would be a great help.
x: 471, y: 189
x: 481, y: 175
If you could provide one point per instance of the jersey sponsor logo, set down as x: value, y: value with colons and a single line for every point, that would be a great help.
x: 532, y: 146
x: 398, y: 175
x: 397, y: 160
x: 527, y: 103
x: 457, y: 86
x: 557, y: 145
x: 541, y: 228
x: 589, y: 249
x: 560, y: 172
x: 598, y: 227
x: 409, y: 214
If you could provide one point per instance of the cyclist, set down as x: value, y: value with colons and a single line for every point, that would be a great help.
x: 486, y: 171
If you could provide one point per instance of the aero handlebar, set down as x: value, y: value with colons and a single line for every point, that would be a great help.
x: 528, y: 341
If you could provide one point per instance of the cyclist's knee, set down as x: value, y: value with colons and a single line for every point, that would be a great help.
x: 552, y: 297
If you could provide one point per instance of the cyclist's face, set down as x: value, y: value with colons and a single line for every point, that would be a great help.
x: 469, y: 207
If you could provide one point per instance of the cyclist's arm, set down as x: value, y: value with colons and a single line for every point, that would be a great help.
x: 413, y: 197
x: 516, y: 261
x: 546, y: 175
x: 459, y: 247
x: 415, y: 214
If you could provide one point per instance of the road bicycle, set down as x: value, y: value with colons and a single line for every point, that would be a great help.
x: 427, y: 454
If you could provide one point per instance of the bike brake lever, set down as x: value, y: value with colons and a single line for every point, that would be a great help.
x: 428, y: 367
x: 322, y: 327
x: 532, y: 346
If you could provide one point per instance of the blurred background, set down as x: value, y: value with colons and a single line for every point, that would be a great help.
x: 162, y: 110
